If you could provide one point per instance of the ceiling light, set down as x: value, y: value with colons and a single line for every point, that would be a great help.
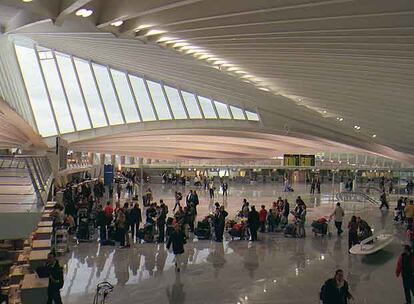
x: 231, y: 69
x: 300, y: 99
x: 154, y: 32
x: 83, y: 12
x: 240, y: 72
x: 220, y: 62
x: 27, y: 1
x: 264, y: 89
x: 357, y: 127
x: 117, y: 23
x: 165, y: 39
x: 180, y: 44
x: 374, y: 135
x: 324, y: 111
x: 247, y: 76
x: 142, y: 27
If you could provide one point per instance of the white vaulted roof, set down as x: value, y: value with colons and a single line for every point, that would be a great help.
x: 337, y: 70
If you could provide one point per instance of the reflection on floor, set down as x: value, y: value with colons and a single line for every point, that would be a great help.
x: 274, y: 270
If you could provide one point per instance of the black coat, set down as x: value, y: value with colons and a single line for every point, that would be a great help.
x: 330, y: 294
x: 135, y: 215
x: 253, y: 219
x: 177, y: 239
x: 55, y: 276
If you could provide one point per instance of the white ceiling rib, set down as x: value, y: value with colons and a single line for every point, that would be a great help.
x: 351, y: 58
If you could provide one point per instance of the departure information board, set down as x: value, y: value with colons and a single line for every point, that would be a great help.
x: 296, y: 160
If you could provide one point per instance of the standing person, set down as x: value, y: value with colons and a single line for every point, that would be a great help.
x: 109, y: 211
x: 101, y: 222
x: 189, y: 198
x: 195, y: 202
x: 318, y: 185
x: 313, y: 186
x: 405, y: 268
x: 285, y: 212
x: 120, y: 221
x: 352, y: 232
x: 262, y: 218
x: 219, y: 223
x: 338, y: 214
x: 383, y: 199
x: 224, y: 188
x: 118, y: 190
x: 162, y: 216
x: 55, y: 279
x: 135, y: 219
x: 211, y: 189
x: 409, y: 213
x: 253, y: 222
x: 177, y: 239
x: 336, y: 290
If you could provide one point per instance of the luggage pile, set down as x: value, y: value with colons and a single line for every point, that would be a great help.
x: 203, y: 229
x: 320, y: 227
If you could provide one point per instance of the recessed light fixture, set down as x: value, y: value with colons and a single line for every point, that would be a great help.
x: 357, y: 127
x: 142, y: 27
x: 264, y: 89
x: 83, y: 12
x: 27, y: 1
x: 324, y: 111
x: 240, y: 72
x: 180, y: 44
x: 117, y: 23
x: 155, y: 32
x: 299, y: 99
x: 374, y: 135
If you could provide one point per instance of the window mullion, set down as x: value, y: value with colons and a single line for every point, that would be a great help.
x: 133, y: 96
x: 116, y: 94
x: 150, y: 98
x: 199, y: 106
x: 81, y: 91
x: 99, y: 92
x: 184, y: 105
x: 64, y: 90
x: 168, y: 101
x: 47, y: 90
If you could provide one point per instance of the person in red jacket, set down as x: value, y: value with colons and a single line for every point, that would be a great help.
x: 262, y: 218
x: 405, y: 268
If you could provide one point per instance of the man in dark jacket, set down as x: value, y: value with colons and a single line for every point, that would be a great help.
x: 101, y: 222
x: 135, y: 219
x: 336, y: 290
x: 405, y: 268
x: 55, y: 279
x: 177, y: 239
x: 253, y: 221
x: 161, y: 218
x: 219, y: 223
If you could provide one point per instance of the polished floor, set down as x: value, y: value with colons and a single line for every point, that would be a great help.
x: 274, y: 270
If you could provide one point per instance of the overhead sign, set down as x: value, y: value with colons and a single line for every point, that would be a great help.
x: 297, y: 160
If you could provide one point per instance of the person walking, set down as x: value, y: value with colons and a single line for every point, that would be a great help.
x: 384, y: 202
x: 177, y: 239
x: 55, y: 279
x: 178, y: 198
x: 211, y: 189
x: 253, y: 222
x: 405, y: 268
x: 338, y: 214
x: 336, y: 290
x: 120, y: 221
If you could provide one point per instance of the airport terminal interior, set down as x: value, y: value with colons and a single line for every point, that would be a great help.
x: 205, y: 151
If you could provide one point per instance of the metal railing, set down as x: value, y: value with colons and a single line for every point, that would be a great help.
x: 36, y: 167
x: 356, y: 197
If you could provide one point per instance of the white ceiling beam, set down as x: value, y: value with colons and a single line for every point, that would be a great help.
x: 68, y: 7
x: 124, y: 9
x: 24, y: 19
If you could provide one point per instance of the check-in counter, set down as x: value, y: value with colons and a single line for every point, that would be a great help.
x: 34, y: 289
x: 38, y: 258
x: 45, y: 224
x: 44, y: 233
x: 41, y: 245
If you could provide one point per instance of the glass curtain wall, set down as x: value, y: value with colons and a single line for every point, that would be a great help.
x: 69, y: 94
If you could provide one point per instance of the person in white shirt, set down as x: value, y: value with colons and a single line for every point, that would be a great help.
x: 338, y: 214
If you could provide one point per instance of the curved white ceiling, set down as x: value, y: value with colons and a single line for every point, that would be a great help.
x: 321, y: 60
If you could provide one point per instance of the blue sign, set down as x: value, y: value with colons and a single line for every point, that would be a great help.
x: 108, y: 175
